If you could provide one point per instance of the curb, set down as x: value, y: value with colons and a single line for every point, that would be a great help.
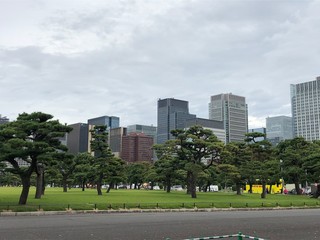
x: 75, y: 212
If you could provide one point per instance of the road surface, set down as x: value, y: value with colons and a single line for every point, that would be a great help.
x: 268, y: 224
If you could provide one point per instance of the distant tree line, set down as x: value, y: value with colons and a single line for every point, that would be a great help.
x: 195, y: 159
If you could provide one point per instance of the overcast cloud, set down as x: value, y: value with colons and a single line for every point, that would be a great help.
x: 79, y: 59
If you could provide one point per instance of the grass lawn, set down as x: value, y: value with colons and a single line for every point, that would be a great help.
x: 55, y: 199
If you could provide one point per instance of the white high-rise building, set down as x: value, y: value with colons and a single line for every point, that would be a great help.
x: 233, y: 111
x: 215, y: 126
x: 305, y: 103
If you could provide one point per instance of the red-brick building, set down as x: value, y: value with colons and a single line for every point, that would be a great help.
x: 137, y: 147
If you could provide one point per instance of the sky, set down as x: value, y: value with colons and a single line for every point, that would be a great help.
x: 80, y: 59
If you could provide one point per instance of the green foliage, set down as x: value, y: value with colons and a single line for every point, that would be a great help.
x: 137, y: 173
x: 82, y: 173
x: 31, y: 138
x: 65, y: 165
x: 9, y: 179
x: 297, y: 156
x: 235, y: 159
x: 104, y: 164
x: 168, y: 167
x: 197, y: 149
x: 261, y: 154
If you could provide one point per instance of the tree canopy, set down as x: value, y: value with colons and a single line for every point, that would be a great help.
x: 30, y: 139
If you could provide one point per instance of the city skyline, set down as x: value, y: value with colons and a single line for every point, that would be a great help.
x: 80, y: 60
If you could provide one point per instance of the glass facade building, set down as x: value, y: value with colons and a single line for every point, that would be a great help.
x: 77, y: 139
x: 279, y: 128
x: 109, y: 121
x: 305, y: 103
x: 115, y: 139
x: 150, y: 131
x: 172, y: 114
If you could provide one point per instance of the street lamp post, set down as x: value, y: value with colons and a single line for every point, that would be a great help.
x: 281, y: 177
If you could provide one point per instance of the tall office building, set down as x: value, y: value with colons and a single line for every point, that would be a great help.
x: 150, y: 131
x: 233, y: 111
x: 109, y: 121
x: 77, y: 139
x: 215, y: 126
x: 115, y: 140
x: 305, y: 103
x: 137, y: 147
x: 172, y: 114
x: 279, y: 128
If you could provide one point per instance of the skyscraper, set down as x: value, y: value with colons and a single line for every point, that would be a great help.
x: 172, y: 114
x: 233, y: 111
x: 77, y: 139
x: 115, y: 140
x: 305, y: 103
x: 279, y: 128
x: 109, y: 121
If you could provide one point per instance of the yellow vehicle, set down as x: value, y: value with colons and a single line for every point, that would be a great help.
x: 273, y: 189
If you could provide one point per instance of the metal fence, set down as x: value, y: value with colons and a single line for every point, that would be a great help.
x: 239, y: 236
x: 156, y: 206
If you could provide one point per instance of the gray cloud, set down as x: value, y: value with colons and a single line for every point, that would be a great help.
x: 80, y: 60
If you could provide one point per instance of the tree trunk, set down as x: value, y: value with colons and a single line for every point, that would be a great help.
x: 238, y: 188
x: 168, y: 183
x: 192, y: 182
x: 25, y: 179
x: 263, y: 194
x: 250, y: 189
x: 39, y: 182
x: 207, y: 187
x: 99, y: 184
x: 110, y: 186
x: 317, y: 193
x: 297, y: 187
x: 99, y: 189
x: 83, y: 184
x: 64, y: 184
x: 43, y: 185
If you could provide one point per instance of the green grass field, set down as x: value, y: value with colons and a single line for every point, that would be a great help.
x: 55, y: 199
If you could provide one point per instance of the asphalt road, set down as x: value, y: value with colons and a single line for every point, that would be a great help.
x: 268, y: 224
